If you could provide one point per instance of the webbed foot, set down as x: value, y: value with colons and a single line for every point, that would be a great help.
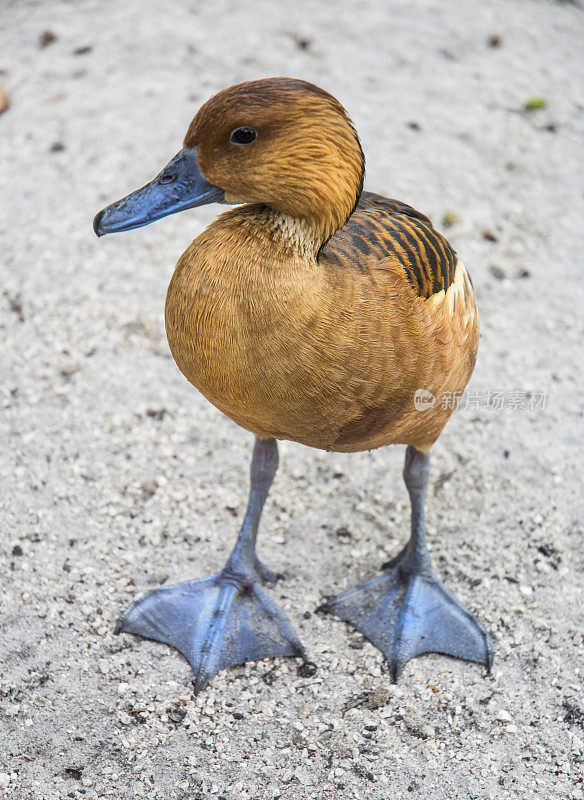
x: 215, y: 623
x: 406, y: 613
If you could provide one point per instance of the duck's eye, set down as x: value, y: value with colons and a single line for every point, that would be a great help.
x: 243, y: 136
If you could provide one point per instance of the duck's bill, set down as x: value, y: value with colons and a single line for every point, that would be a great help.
x: 179, y: 186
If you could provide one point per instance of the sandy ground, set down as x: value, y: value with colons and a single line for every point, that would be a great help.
x: 116, y: 476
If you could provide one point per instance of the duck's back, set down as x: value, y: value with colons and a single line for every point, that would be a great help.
x: 380, y: 228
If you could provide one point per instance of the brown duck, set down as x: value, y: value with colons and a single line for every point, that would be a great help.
x: 316, y: 312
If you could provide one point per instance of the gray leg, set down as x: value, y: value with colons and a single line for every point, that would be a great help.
x: 407, y: 611
x: 227, y: 619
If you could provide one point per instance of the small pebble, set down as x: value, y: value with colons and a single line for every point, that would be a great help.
x: 46, y: 38
x: 286, y: 775
x: 307, y: 670
x: 427, y: 731
x: 497, y: 272
x: 149, y: 489
x: 489, y: 236
x: 302, y: 43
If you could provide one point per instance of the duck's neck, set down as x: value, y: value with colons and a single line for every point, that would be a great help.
x: 322, y: 209
x: 297, y: 234
x: 273, y: 236
x: 307, y: 234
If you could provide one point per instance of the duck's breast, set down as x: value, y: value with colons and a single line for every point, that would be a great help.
x: 319, y: 352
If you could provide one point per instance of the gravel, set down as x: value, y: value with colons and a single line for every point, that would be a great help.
x: 117, y: 477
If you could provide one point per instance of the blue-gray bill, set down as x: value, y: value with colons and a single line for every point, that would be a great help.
x: 179, y: 186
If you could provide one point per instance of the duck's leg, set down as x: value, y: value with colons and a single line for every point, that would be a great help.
x: 227, y: 619
x: 407, y: 611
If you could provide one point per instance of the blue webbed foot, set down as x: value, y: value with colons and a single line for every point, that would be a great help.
x: 228, y: 619
x: 405, y: 614
x: 215, y: 623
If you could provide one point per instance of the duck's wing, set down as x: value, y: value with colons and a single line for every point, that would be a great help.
x: 380, y: 228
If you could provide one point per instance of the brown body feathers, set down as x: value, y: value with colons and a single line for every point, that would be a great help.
x: 303, y: 314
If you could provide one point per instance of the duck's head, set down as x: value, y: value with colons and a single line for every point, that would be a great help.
x: 281, y: 142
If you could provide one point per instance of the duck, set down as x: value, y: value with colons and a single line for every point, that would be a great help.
x: 316, y: 312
